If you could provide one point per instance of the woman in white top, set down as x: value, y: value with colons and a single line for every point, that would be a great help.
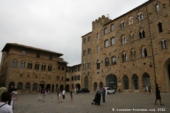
x: 63, y: 94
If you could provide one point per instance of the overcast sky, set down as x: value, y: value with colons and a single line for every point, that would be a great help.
x: 56, y: 25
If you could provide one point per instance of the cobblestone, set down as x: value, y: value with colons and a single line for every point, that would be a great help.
x: 119, y: 102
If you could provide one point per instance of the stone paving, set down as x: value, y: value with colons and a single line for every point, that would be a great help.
x: 119, y: 102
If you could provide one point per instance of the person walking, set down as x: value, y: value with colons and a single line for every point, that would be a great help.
x: 44, y: 92
x: 97, y: 98
x: 103, y: 94
x: 58, y: 95
x: 158, y: 96
x: 71, y: 94
x: 39, y: 93
x: 14, y: 97
x: 5, y: 108
x: 10, y: 90
x: 63, y: 94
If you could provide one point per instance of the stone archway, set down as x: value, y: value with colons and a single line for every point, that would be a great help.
x: 100, y: 85
x: 125, y: 81
x: 167, y: 74
x: 146, y: 79
x: 95, y: 86
x: 11, y: 84
x: 111, y: 81
x: 67, y: 88
x: 86, y: 82
x: 78, y: 86
x: 48, y: 87
x: 135, y: 82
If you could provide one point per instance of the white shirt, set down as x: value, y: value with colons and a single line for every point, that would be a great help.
x: 14, y: 94
x: 63, y: 92
x: 5, y: 108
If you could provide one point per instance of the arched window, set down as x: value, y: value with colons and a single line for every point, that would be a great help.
x: 144, y: 53
x: 114, y: 60
x: 27, y: 86
x: 122, y: 25
x: 163, y: 44
x: 113, y: 40
x: 130, y: 20
x: 131, y: 38
x: 140, y: 16
x: 107, y: 62
x: 34, y: 87
x: 142, y: 34
x: 14, y: 63
x: 98, y: 64
x: 105, y: 30
x: 112, y: 27
x: 22, y: 64
x: 133, y: 54
x: 160, y: 27
x: 19, y: 86
x: 124, y: 57
x: 157, y: 7
x: 97, y: 36
x: 123, y: 40
x: 106, y: 43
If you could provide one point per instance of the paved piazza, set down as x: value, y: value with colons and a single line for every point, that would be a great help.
x: 127, y: 102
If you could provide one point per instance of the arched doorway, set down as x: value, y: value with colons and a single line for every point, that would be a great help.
x: 48, y: 87
x: 53, y: 88
x: 67, y: 88
x: 146, y: 79
x: 78, y: 86
x: 125, y: 80
x: 111, y: 81
x: 135, y: 82
x: 86, y: 82
x: 42, y: 84
x: 61, y: 87
x: 56, y: 87
x: 167, y: 74
x: 100, y: 85
x: 11, y: 84
x: 95, y: 86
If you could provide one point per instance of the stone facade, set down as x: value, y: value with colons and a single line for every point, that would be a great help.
x: 129, y: 52
x: 28, y: 68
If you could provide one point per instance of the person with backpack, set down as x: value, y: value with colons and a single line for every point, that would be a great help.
x: 14, y: 97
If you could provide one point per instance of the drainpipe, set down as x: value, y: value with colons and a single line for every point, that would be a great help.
x: 151, y: 46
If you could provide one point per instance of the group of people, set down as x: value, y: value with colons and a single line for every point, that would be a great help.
x: 42, y: 94
x: 9, y: 97
x: 147, y: 89
x: 98, y: 94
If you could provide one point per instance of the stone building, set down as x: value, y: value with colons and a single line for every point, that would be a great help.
x: 28, y: 68
x: 73, y: 77
x: 130, y: 51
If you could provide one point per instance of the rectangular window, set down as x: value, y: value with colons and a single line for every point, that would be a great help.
x: 89, y: 51
x: 84, y: 41
x: 43, y: 67
x: 23, y: 53
x: 29, y: 66
x: 50, y: 57
x: 97, y: 36
x: 38, y: 55
x: 84, y: 52
x: 49, y: 68
x: 88, y: 39
x: 22, y: 65
x: 113, y: 41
